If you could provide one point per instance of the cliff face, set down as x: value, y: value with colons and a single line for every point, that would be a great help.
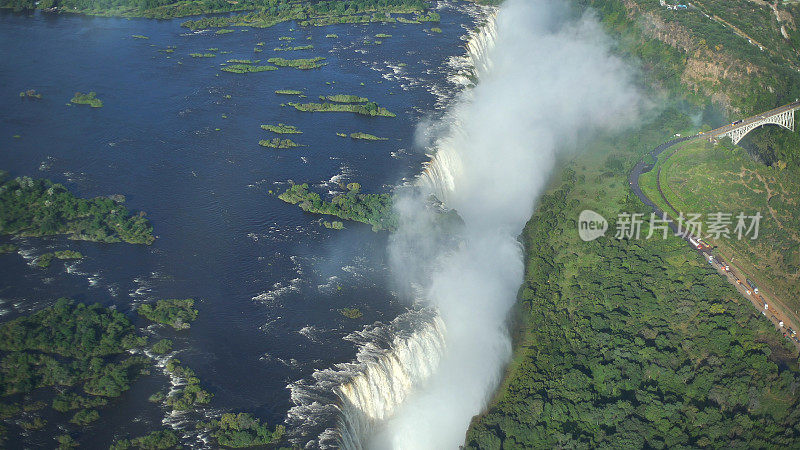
x: 708, y: 71
x: 740, y: 53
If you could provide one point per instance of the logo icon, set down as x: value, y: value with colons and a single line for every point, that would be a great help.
x: 591, y: 225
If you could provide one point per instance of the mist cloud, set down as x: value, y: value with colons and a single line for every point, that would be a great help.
x: 550, y: 79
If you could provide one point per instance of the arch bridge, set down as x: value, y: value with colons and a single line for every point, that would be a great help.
x: 782, y: 116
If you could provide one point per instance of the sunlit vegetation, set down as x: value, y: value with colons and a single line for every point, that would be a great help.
x: 247, y: 68
x: 344, y: 135
x: 278, y: 143
x: 223, y: 31
x: 351, y: 313
x: 367, y: 137
x: 383, y: 35
x: 333, y: 225
x: 87, y: 99
x: 289, y: 92
x: 45, y: 259
x: 436, y: 30
x: 31, y: 207
x: 202, y: 55
x: 301, y: 63
x: 156, y: 440
x: 30, y: 93
x: 332, y: 36
x: 67, y: 254
x: 343, y: 98
x: 367, y: 109
x: 162, y: 347
x: 189, y: 395
x: 139, y: 36
x: 372, y: 209
x: 281, y: 128
x: 319, y: 13
x: 242, y: 430
x: 177, y: 313
x: 704, y: 178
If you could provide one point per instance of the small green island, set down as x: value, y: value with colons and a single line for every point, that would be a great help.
x: 247, y: 68
x: 30, y: 93
x: 372, y: 209
x: 343, y: 98
x: 278, y: 143
x: 367, y: 109
x: 367, y: 137
x: 289, y: 49
x: 223, y: 31
x: 87, y: 99
x: 139, y: 36
x: 300, y: 63
x: 281, y: 128
x: 202, y: 55
x: 351, y: 313
x: 177, y: 313
x: 289, y: 92
x: 45, y: 259
x: 243, y: 61
x: 31, y: 207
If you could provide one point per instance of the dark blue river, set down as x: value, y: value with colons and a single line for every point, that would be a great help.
x: 179, y: 139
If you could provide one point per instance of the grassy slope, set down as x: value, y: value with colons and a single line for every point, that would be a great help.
x: 704, y: 179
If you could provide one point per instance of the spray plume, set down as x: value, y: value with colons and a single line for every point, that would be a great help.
x: 547, y: 79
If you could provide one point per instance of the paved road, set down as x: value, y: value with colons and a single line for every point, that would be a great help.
x: 726, y: 128
x: 643, y: 167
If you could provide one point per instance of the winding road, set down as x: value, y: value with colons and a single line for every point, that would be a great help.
x: 781, y: 320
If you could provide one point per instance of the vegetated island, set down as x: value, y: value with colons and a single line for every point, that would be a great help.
x: 372, y: 209
x: 282, y: 128
x: 367, y: 137
x: 301, y: 63
x: 351, y: 313
x: 323, y: 13
x: 289, y: 92
x: 30, y: 93
x: 45, y: 259
x: 177, y: 313
x: 278, y: 143
x: 31, y: 207
x: 87, y: 99
x: 343, y: 98
x: 367, y: 109
x: 247, y: 68
x: 202, y: 55
x: 81, y: 350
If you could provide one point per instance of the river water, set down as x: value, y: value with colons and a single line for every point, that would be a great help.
x: 268, y: 279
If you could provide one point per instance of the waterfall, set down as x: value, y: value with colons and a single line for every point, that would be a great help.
x: 341, y: 405
x: 438, y: 174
